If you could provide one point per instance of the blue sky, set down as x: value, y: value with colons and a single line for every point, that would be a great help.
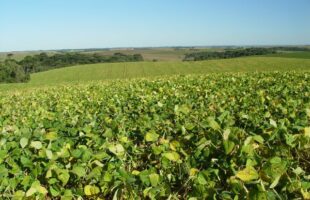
x: 61, y: 24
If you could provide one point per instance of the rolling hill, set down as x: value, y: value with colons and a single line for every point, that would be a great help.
x: 111, y: 71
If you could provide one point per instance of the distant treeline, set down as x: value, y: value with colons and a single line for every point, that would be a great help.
x: 43, y: 62
x: 231, y: 53
x: 288, y: 48
x: 18, y: 71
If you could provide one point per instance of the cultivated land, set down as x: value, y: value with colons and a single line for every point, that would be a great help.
x: 218, y: 129
x: 111, y: 71
x: 177, y: 54
x: 216, y: 136
x: 149, y: 54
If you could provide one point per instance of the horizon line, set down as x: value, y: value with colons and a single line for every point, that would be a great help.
x: 155, y: 47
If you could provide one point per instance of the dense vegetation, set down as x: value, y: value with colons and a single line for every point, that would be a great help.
x: 224, y: 136
x: 43, y: 62
x: 12, y: 72
x: 230, y: 53
x: 18, y: 71
x: 291, y: 48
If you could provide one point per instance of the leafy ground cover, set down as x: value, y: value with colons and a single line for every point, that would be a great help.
x: 218, y: 136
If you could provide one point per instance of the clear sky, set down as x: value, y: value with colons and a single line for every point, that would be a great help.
x: 63, y: 24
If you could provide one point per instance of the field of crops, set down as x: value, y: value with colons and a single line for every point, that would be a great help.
x: 112, y: 71
x: 218, y: 136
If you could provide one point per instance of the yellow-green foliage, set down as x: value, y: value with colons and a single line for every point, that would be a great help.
x: 218, y: 136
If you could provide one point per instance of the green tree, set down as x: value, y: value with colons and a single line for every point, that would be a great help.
x: 11, y: 72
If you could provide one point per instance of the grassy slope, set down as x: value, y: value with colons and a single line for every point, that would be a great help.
x: 108, y: 71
